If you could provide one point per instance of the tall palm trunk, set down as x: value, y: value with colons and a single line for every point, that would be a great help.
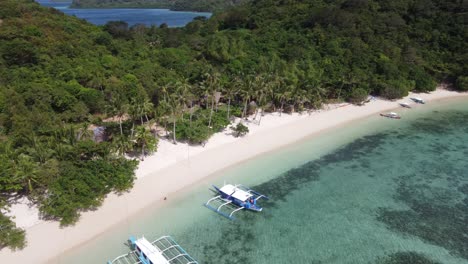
x: 174, y: 129
x: 256, y: 112
x: 229, y: 107
x: 120, y: 124
x: 141, y: 115
x: 211, y: 112
x: 244, y: 113
x: 282, y: 105
x: 183, y: 111
x: 260, y: 120
x: 191, y: 113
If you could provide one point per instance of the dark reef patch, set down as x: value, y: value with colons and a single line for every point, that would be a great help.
x: 435, y: 190
x: 406, y: 258
x: 437, y: 193
x: 294, y: 179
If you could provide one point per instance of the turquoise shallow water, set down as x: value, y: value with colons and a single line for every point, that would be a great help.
x: 379, y: 191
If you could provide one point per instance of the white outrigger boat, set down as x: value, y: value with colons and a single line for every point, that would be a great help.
x: 392, y: 115
x: 163, y: 250
x: 405, y: 105
x: 418, y: 100
x: 235, y: 198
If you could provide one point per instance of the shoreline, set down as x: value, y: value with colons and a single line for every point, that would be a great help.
x: 176, y: 167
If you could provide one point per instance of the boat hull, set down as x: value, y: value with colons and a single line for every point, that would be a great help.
x: 390, y: 116
x: 245, y: 204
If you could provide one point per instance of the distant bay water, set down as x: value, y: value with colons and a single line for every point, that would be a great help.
x: 131, y: 16
x: 379, y: 191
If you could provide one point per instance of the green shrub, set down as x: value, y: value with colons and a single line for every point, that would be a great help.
x: 240, y: 130
x: 462, y: 83
x: 358, y: 95
x: 196, y: 133
x: 394, y: 89
x: 10, y: 235
x: 423, y: 81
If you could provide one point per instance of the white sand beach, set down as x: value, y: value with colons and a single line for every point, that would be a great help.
x: 175, y: 167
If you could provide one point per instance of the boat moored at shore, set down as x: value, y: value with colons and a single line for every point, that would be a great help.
x: 392, y: 115
x: 405, y: 105
x: 163, y: 250
x: 418, y: 100
x: 237, y: 197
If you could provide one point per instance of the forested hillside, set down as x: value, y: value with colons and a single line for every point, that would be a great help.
x: 177, y: 5
x: 61, y: 77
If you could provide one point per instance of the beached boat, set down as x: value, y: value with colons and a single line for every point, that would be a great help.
x: 418, y: 100
x: 163, y: 250
x: 405, y: 105
x: 234, y: 198
x: 391, y: 115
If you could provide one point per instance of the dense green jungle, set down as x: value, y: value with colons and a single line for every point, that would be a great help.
x: 75, y: 98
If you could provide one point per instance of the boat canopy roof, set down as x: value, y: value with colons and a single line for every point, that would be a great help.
x: 236, y: 192
x: 163, y: 250
x: 152, y: 253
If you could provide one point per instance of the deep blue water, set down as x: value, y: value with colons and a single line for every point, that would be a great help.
x: 131, y: 16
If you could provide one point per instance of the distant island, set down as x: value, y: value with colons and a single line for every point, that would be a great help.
x: 176, y: 5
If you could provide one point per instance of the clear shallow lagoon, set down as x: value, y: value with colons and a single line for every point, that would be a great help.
x: 131, y: 16
x: 379, y: 191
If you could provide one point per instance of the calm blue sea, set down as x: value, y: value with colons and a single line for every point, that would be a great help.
x: 131, y: 16
x: 377, y: 191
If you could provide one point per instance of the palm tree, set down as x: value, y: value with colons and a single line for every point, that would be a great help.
x: 175, y: 101
x: 283, y: 96
x: 84, y: 132
x: 164, y: 106
x: 146, y: 108
x: 40, y: 150
x: 317, y: 93
x: 121, y: 144
x: 266, y: 94
x: 26, y: 171
x: 191, y: 97
x: 117, y: 107
x: 300, y: 98
x: 182, y: 91
x: 247, y: 92
x: 230, y: 90
x: 144, y: 140
x: 210, y: 85
x: 134, y: 111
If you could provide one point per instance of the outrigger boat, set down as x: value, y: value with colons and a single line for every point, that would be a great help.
x: 391, y: 115
x: 405, y: 105
x: 236, y: 198
x: 163, y: 250
x: 418, y: 100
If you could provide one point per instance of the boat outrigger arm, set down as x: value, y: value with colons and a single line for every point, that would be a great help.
x: 163, y: 250
x: 236, y: 197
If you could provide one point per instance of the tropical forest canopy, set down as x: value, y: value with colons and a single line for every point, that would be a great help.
x: 179, y: 5
x: 74, y: 98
